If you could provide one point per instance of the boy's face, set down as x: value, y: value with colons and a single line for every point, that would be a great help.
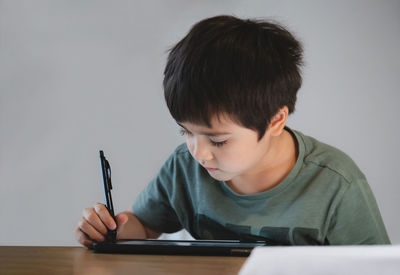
x: 227, y: 150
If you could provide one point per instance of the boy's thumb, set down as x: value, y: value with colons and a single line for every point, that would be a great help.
x: 121, y: 219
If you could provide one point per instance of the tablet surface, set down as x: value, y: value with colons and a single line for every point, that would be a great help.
x: 179, y: 247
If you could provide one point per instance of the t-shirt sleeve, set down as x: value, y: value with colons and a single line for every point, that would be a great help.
x: 153, y: 207
x: 357, y: 219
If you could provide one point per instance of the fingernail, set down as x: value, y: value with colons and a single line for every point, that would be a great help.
x: 113, y: 226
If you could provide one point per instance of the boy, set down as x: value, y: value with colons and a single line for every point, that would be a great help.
x: 243, y: 174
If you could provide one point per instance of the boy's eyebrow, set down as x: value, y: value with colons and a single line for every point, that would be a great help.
x: 210, y: 134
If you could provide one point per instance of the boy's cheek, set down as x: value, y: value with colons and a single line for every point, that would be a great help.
x: 230, y: 166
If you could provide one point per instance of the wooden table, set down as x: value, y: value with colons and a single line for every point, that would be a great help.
x: 79, y: 260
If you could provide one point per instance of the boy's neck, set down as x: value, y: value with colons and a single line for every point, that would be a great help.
x: 275, y: 167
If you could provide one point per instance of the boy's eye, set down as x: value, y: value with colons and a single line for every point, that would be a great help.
x: 218, y: 144
x: 184, y: 132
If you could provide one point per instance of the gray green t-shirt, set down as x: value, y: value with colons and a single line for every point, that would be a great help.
x: 325, y: 199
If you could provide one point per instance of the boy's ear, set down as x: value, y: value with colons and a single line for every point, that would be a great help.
x: 278, y: 121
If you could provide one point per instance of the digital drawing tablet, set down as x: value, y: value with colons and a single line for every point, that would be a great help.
x: 178, y: 247
x: 166, y: 247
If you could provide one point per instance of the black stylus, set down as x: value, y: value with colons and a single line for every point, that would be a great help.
x: 106, y: 169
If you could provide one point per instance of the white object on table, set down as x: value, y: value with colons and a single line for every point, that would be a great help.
x: 324, y: 260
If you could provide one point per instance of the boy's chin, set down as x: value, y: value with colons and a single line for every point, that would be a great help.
x: 221, y: 176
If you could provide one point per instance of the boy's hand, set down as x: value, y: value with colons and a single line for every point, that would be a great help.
x: 95, y: 222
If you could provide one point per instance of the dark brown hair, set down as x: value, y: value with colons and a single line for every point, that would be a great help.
x: 246, y: 69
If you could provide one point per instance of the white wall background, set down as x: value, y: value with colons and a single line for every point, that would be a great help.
x: 79, y: 76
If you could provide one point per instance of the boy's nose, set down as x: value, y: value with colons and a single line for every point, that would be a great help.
x: 201, y: 151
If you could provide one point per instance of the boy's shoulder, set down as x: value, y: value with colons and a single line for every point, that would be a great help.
x: 181, y: 149
x: 182, y: 156
x: 324, y: 156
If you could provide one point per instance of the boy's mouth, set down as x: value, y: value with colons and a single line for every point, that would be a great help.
x: 211, y: 169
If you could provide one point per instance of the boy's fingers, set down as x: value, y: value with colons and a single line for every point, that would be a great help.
x: 90, y: 231
x: 105, y: 216
x: 83, y: 238
x: 90, y: 215
x: 121, y: 219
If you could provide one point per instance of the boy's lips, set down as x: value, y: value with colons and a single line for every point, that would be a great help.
x: 211, y: 169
